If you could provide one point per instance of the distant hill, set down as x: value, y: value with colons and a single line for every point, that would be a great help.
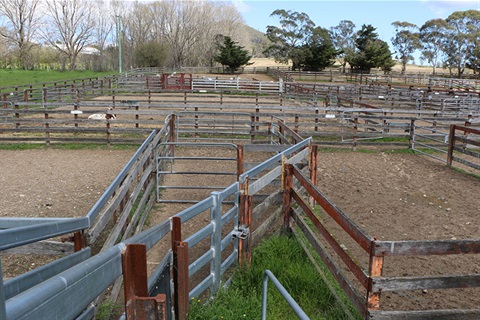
x: 258, y: 42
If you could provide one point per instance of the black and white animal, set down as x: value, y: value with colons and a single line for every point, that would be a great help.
x: 103, y: 116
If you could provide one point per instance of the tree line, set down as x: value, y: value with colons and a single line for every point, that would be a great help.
x: 39, y: 33
x: 65, y: 33
x: 452, y: 43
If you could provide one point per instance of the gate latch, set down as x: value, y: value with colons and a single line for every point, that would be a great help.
x: 240, y: 233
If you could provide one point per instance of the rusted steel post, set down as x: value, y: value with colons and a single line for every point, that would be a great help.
x: 79, y: 240
x: 287, y: 196
x: 257, y: 118
x: 375, y: 270
x: 138, y: 305
x: 451, y: 144
x: 134, y: 263
x: 240, y: 156
x: 172, y: 134
x: 245, y: 220
x: 180, y: 280
x: 316, y: 118
x: 180, y: 270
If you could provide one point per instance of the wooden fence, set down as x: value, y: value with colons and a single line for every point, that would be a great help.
x: 364, y: 285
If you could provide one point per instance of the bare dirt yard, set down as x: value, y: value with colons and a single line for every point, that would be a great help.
x: 53, y: 183
x: 391, y: 196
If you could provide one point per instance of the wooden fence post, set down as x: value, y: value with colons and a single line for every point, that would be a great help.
x: 287, y: 196
x: 451, y: 144
x: 355, y: 132
x: 47, y: 126
x: 138, y: 305
x: 375, y: 269
x: 412, y: 134
x: 172, y: 132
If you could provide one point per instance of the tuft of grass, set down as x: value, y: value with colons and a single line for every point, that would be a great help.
x: 109, y: 310
x: 285, y: 257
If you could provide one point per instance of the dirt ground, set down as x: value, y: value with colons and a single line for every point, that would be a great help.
x: 391, y: 196
x: 53, y: 183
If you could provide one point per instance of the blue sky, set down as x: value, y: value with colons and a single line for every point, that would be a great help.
x: 380, y: 14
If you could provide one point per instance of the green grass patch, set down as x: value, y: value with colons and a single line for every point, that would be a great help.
x: 14, y: 77
x: 474, y: 175
x: 285, y: 257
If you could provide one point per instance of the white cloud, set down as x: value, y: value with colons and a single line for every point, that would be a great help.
x: 443, y: 8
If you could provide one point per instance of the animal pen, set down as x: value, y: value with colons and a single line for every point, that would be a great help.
x: 230, y: 217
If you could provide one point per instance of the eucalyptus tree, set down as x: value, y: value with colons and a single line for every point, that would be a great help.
x: 19, y: 22
x: 432, y: 34
x: 405, y: 41
x: 462, y: 36
x: 289, y: 39
x: 343, y: 38
x: 70, y: 26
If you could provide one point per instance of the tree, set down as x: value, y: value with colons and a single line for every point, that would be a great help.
x: 232, y: 55
x: 371, y: 52
x: 20, y: 23
x: 343, y: 38
x: 432, y: 37
x: 406, y: 41
x: 289, y: 40
x: 464, y: 28
x: 71, y: 27
x: 320, y: 50
x: 150, y: 54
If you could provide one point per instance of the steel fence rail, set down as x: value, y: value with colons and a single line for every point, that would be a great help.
x: 268, y: 275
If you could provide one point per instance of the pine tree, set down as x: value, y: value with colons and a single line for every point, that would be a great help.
x: 232, y: 55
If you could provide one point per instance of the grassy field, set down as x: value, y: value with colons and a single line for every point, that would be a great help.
x: 9, y: 77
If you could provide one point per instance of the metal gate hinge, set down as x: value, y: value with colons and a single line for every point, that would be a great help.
x: 241, y: 233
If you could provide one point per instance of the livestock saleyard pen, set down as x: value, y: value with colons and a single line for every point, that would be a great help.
x: 267, y: 117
